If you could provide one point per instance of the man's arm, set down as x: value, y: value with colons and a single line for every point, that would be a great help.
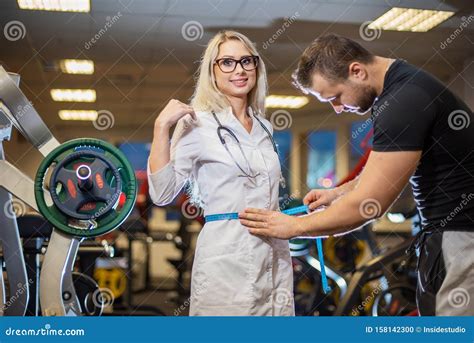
x: 317, y: 198
x: 348, y: 186
x: 378, y: 185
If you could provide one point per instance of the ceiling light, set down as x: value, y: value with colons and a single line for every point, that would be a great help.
x: 396, y: 218
x: 78, y: 115
x: 56, y: 5
x: 283, y: 101
x: 79, y: 95
x: 410, y: 19
x: 77, y: 66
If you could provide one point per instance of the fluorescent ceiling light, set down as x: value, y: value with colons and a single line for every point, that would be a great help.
x: 410, y: 19
x: 78, y: 115
x: 283, y: 101
x: 56, y: 5
x: 77, y: 66
x: 79, y: 95
x: 396, y: 218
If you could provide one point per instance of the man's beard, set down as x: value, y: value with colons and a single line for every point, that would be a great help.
x: 365, y: 100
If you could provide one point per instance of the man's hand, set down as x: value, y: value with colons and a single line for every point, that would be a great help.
x: 320, y: 197
x: 270, y: 223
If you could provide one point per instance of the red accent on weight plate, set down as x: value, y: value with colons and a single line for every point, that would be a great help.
x: 88, y: 206
x: 122, y: 199
x: 99, y: 180
x: 71, y: 188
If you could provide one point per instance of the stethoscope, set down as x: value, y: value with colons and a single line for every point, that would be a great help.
x: 247, y: 173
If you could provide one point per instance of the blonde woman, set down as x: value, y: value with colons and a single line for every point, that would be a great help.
x: 223, y: 147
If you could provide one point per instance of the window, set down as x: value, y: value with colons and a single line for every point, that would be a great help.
x: 136, y: 153
x: 321, y: 159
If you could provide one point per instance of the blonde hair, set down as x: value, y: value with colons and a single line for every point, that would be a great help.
x: 207, y: 97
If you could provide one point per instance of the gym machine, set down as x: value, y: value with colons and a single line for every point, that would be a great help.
x: 84, y: 188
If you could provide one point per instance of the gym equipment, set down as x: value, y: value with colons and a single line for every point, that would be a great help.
x: 10, y: 239
x: 113, y: 279
x: 310, y: 298
x: 182, y: 241
x: 372, y: 270
x: 344, y: 253
x: 398, y: 300
x: 84, y: 192
x: 382, y: 286
x: 89, y: 294
x: 35, y: 230
x: 136, y: 230
x: 88, y: 179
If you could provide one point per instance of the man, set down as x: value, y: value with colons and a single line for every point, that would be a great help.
x: 422, y: 133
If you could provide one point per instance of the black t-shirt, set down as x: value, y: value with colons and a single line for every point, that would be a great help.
x: 417, y: 112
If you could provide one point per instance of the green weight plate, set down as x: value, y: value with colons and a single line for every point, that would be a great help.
x: 110, y: 220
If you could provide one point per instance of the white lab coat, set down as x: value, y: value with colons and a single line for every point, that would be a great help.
x: 234, y: 273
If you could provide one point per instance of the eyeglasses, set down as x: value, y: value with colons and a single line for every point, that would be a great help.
x: 228, y: 65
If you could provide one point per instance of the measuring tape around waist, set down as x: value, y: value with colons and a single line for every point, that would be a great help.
x: 290, y: 212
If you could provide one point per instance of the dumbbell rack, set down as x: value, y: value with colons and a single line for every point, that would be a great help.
x: 56, y: 272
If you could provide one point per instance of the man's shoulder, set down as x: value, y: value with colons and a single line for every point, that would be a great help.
x: 402, y: 100
x: 408, y: 80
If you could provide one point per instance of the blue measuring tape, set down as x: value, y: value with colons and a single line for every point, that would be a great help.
x: 221, y: 216
x: 290, y: 212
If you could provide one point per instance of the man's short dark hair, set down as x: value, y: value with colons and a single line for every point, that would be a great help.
x: 329, y: 55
